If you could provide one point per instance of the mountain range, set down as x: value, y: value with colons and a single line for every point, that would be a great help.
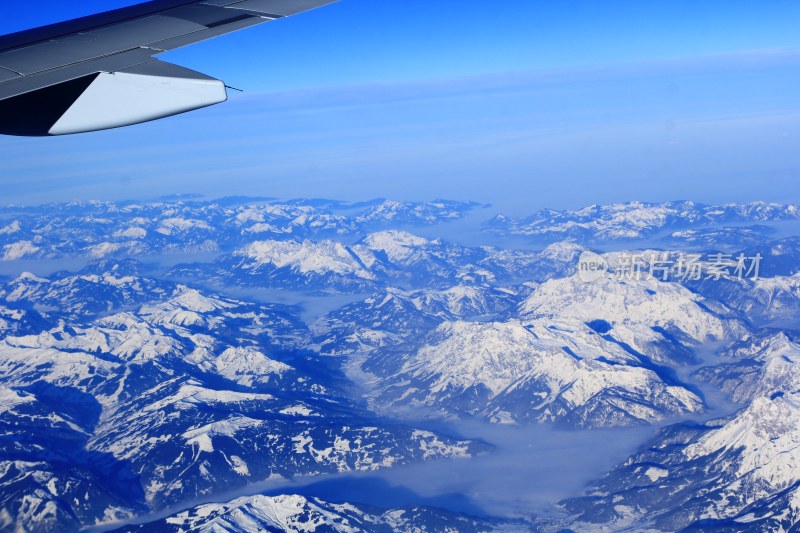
x: 198, y: 393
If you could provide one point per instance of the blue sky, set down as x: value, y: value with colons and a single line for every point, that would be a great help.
x: 531, y: 104
x: 387, y: 40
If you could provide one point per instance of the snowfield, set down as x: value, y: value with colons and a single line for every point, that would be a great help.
x: 291, y: 340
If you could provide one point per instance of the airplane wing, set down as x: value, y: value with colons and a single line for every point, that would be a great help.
x: 100, y: 72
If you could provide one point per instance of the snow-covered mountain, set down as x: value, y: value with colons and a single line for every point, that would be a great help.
x: 98, y: 288
x: 764, y: 301
x: 781, y: 257
x: 170, y: 400
x: 109, y: 229
x: 49, y: 480
x: 739, y: 473
x: 662, y: 320
x: 757, y: 366
x: 299, y: 265
x: 15, y: 320
x: 393, y: 316
x: 129, y: 388
x: 381, y: 259
x: 736, y: 474
x: 297, y: 513
x: 510, y: 372
x: 580, y: 354
x: 719, y: 238
x: 639, y: 220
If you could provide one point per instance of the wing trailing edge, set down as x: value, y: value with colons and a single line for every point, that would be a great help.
x: 63, y: 78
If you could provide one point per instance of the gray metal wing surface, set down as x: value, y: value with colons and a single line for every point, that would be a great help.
x: 51, y: 77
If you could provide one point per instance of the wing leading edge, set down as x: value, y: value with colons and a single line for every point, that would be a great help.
x: 51, y: 77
